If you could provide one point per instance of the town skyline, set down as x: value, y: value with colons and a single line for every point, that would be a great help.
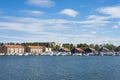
x: 91, y: 22
x: 57, y: 49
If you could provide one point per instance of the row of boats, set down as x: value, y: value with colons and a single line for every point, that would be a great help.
x: 68, y: 54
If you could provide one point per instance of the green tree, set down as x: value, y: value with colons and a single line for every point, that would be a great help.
x: 97, y: 47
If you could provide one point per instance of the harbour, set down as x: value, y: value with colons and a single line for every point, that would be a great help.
x: 59, y: 68
x: 45, y: 49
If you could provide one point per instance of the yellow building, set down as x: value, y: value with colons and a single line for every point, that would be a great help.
x: 12, y: 49
x: 47, y: 49
x: 34, y: 49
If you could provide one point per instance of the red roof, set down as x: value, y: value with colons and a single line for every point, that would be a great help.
x: 13, y: 46
x: 105, y: 49
x: 66, y: 49
x: 92, y: 49
x: 35, y: 47
x: 79, y: 49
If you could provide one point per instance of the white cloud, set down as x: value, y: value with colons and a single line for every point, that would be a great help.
x: 93, y: 32
x: 41, y: 3
x: 69, y: 12
x: 62, y: 38
x: 117, y: 26
x: 109, y: 13
x: 32, y: 12
x: 112, y: 11
x: 119, y: 23
x: 32, y: 25
x: 57, y: 27
x: 103, y: 40
x: 49, y: 29
x: 27, y: 27
x: 54, y: 21
x: 98, y: 18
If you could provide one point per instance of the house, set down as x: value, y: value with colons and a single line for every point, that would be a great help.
x: 103, y: 49
x: 77, y: 50
x: 34, y: 49
x: 89, y: 50
x: 46, y: 49
x: 104, y: 52
x: 12, y: 49
x: 64, y: 50
x: 117, y: 51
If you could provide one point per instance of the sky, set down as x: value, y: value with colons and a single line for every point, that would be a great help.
x: 62, y: 21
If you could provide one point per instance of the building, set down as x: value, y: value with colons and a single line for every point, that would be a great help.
x: 34, y: 49
x: 47, y: 49
x: 64, y: 50
x: 117, y: 49
x: 13, y: 49
x: 89, y: 50
x: 77, y: 50
x: 104, y: 49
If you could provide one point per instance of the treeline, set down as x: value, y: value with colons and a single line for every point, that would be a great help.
x: 111, y: 47
x: 53, y: 45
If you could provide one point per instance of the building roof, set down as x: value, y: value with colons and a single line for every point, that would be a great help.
x: 92, y: 49
x: 79, y: 49
x: 65, y: 49
x: 104, y: 49
x: 35, y: 47
x: 13, y: 46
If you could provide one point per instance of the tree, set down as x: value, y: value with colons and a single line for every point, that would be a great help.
x: 92, y: 46
x: 111, y: 47
x: 97, y: 47
x: 57, y: 48
x: 82, y: 45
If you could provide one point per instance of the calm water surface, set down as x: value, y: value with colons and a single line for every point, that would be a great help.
x: 59, y: 68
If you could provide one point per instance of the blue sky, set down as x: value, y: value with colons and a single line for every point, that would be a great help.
x: 63, y: 21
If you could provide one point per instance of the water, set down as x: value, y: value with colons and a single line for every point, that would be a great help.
x: 59, y: 68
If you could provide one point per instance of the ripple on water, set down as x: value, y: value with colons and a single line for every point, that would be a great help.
x: 59, y: 68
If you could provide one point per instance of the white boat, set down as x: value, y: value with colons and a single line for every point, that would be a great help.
x: 26, y: 54
x: 20, y: 54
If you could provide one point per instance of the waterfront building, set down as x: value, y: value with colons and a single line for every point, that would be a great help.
x: 13, y: 49
x: 77, y: 50
x: 64, y: 50
x: 46, y: 49
x: 103, y: 51
x: 89, y: 50
x: 117, y: 49
x: 34, y: 49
